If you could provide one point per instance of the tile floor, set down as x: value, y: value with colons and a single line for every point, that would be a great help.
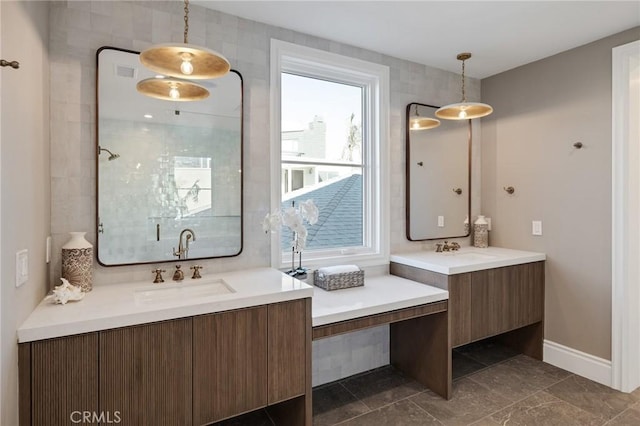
x: 492, y: 386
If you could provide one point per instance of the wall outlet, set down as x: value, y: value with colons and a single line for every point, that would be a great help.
x: 22, y: 267
x: 536, y: 227
x: 441, y: 221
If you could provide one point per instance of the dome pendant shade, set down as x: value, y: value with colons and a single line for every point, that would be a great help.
x: 185, y: 61
x: 172, y: 89
x: 464, y: 111
x: 423, y: 123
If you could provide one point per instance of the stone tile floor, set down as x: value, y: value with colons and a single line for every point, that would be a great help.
x: 492, y: 386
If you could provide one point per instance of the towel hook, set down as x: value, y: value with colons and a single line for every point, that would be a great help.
x: 510, y: 189
x: 457, y: 190
x: 13, y: 64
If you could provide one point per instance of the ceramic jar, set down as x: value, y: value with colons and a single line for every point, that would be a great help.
x: 77, y: 261
x: 481, y: 232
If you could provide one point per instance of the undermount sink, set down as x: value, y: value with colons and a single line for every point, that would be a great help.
x: 186, y: 290
x: 471, y: 255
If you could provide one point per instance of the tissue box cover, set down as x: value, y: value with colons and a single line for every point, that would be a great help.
x: 338, y: 281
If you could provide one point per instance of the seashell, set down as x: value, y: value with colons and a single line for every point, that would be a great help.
x: 66, y: 292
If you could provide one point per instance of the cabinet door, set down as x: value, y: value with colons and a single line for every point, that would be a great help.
x: 145, y: 373
x: 506, y: 298
x: 229, y: 364
x: 288, y: 337
x: 527, y: 296
x: 64, y: 379
x: 460, y: 309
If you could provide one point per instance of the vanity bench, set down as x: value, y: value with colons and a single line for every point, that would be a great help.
x: 418, y: 320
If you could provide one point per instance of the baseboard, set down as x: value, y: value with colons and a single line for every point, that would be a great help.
x: 577, y: 362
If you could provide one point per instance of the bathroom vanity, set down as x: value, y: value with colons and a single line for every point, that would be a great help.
x: 188, y: 354
x: 492, y: 291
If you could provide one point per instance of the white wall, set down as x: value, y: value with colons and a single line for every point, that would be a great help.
x: 24, y: 179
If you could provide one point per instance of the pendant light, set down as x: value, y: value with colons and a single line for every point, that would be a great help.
x: 464, y: 110
x: 172, y: 89
x: 183, y: 60
x: 422, y: 123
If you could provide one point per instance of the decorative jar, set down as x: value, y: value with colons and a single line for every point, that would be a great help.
x: 77, y: 261
x: 481, y: 232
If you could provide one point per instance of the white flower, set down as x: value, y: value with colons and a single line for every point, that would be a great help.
x: 293, y: 218
x: 309, y: 211
x: 271, y: 222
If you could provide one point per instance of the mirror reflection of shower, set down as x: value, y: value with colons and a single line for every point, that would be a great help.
x: 112, y: 156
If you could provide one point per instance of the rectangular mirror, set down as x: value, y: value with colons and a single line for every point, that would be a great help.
x: 438, y: 175
x: 166, y: 168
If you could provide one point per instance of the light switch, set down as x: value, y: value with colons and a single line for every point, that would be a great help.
x: 440, y: 221
x: 488, y: 219
x: 22, y: 267
x: 536, y: 227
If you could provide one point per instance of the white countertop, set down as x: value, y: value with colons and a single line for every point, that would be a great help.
x: 467, y: 259
x: 379, y: 294
x: 121, y: 305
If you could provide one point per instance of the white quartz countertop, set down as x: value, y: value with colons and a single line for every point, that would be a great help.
x: 467, y: 259
x: 121, y: 305
x: 379, y: 294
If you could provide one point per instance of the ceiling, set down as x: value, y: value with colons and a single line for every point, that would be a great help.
x: 501, y: 34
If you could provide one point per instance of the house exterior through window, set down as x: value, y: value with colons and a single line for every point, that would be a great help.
x: 329, y: 143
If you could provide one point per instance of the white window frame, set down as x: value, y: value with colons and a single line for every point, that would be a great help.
x: 306, y: 61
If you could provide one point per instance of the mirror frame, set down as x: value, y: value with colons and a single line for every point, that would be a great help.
x: 407, y: 175
x: 97, y: 185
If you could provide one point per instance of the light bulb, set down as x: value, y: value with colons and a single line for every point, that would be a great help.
x: 186, y: 67
x: 462, y: 114
x: 416, y: 125
x: 174, y: 93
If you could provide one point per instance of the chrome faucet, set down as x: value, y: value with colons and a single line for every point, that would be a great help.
x: 183, y: 250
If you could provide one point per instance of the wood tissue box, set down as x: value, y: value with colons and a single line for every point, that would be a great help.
x: 338, y: 277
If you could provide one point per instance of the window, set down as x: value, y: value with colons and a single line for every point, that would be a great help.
x: 329, y: 144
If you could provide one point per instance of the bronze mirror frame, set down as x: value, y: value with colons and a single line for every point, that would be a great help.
x: 239, y: 183
x: 409, y: 163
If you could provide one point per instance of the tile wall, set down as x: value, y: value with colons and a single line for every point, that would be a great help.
x: 79, y: 28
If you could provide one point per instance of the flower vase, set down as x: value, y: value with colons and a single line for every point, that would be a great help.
x: 77, y: 261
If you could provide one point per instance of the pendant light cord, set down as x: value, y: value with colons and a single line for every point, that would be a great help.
x: 186, y: 23
x: 464, y: 96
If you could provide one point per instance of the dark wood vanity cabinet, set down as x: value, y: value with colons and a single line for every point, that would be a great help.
x: 229, y: 364
x: 491, y: 302
x: 147, y: 366
x: 58, y: 379
x: 504, y: 299
x: 188, y: 371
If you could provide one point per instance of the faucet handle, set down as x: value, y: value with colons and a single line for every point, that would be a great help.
x: 178, y: 275
x: 158, y: 273
x: 196, y: 272
x: 455, y: 246
x: 446, y: 246
x: 438, y: 247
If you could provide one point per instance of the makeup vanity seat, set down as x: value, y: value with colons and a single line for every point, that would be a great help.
x: 492, y: 292
x: 418, y: 323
